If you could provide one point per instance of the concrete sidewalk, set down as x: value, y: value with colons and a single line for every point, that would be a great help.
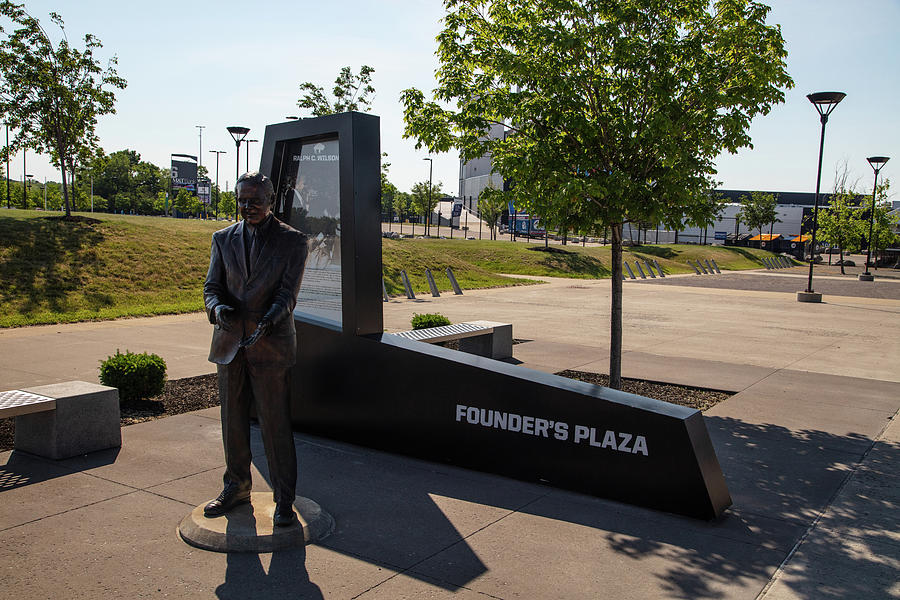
x: 810, y: 448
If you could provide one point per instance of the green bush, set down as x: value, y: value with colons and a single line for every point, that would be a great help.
x: 136, y: 375
x: 429, y: 320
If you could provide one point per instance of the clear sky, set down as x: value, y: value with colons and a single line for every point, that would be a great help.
x: 240, y: 63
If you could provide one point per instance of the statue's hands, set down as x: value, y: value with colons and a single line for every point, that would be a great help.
x: 264, y: 327
x: 223, y: 318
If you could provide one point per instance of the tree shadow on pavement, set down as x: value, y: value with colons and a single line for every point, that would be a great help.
x: 781, y: 481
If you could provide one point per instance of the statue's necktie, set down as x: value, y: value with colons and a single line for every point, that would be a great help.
x: 254, y: 250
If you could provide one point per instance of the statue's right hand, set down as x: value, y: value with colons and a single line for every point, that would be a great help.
x: 223, y: 320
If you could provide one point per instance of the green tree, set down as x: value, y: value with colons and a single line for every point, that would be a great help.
x: 52, y: 94
x: 491, y: 204
x: 402, y: 204
x: 758, y: 210
x: 351, y: 91
x: 620, y: 106
x: 388, y: 190
x: 184, y: 202
x: 226, y: 205
x: 840, y: 224
x: 885, y: 222
x: 423, y: 201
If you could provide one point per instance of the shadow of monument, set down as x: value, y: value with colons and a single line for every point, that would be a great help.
x: 387, y: 512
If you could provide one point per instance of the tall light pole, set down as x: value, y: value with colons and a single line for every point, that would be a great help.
x: 247, y: 152
x: 200, y: 156
x: 292, y: 118
x: 238, y: 133
x: 877, y: 162
x: 24, y: 177
x: 217, y: 153
x: 824, y: 102
x: 29, y: 177
x: 430, y: 169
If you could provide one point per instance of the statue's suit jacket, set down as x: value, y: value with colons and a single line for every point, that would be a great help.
x: 267, y: 289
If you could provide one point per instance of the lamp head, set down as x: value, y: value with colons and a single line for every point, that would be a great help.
x: 238, y: 133
x: 825, y: 101
x: 878, y: 161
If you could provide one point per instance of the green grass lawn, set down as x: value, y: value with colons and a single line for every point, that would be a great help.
x: 54, y: 271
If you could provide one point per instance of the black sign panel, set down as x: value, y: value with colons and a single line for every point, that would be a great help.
x: 184, y: 173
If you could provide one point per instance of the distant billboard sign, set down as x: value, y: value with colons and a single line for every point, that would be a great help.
x: 204, y: 188
x: 184, y: 173
x: 457, y: 208
x: 721, y: 235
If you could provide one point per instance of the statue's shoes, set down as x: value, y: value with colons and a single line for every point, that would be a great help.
x: 284, y: 515
x: 230, y: 497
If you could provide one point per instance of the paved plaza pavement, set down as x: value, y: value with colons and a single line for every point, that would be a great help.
x: 809, y: 445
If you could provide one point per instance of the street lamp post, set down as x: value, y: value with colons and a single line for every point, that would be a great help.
x: 824, y: 102
x: 238, y: 133
x: 877, y: 163
x: 24, y: 177
x: 28, y: 177
x: 430, y: 170
x: 247, y: 152
x: 200, y: 156
x: 217, y: 153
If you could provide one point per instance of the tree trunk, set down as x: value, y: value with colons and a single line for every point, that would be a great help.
x: 615, y: 313
x: 65, y: 187
x: 841, y: 250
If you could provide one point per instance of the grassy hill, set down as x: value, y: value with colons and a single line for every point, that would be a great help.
x: 109, y: 266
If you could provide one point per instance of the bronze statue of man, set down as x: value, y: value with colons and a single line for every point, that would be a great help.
x: 255, y: 269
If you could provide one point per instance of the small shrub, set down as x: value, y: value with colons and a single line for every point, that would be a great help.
x: 135, y: 375
x: 429, y: 320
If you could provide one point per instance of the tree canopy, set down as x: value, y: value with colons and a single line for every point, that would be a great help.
x: 491, y: 204
x: 351, y: 91
x: 52, y: 94
x: 758, y: 209
x: 617, y: 106
x: 423, y: 202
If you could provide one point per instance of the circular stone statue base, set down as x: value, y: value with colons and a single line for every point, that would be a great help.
x: 809, y: 297
x: 249, y: 528
x: 866, y: 277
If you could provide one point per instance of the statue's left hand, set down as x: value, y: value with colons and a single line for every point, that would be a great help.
x: 261, y: 330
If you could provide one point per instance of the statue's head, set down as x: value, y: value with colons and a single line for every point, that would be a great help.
x: 255, y: 196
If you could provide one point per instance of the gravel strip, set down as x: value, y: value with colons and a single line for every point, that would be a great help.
x: 195, y: 393
x: 699, y: 398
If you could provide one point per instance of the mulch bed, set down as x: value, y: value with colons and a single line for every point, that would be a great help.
x: 692, y: 397
x: 180, y: 396
x: 195, y: 393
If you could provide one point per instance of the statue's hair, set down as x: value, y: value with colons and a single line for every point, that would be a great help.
x: 259, y: 180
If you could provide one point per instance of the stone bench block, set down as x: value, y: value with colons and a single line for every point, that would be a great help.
x: 86, y: 419
x: 498, y: 345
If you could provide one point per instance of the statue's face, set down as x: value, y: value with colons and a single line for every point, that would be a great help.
x: 253, y: 204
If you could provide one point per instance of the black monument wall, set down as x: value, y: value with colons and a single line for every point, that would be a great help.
x: 353, y: 382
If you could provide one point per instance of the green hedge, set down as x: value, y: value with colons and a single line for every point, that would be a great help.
x: 429, y: 320
x: 135, y: 375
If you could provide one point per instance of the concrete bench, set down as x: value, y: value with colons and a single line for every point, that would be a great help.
x: 63, y: 420
x: 482, y: 338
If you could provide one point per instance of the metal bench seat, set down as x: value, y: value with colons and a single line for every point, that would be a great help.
x: 483, y: 338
